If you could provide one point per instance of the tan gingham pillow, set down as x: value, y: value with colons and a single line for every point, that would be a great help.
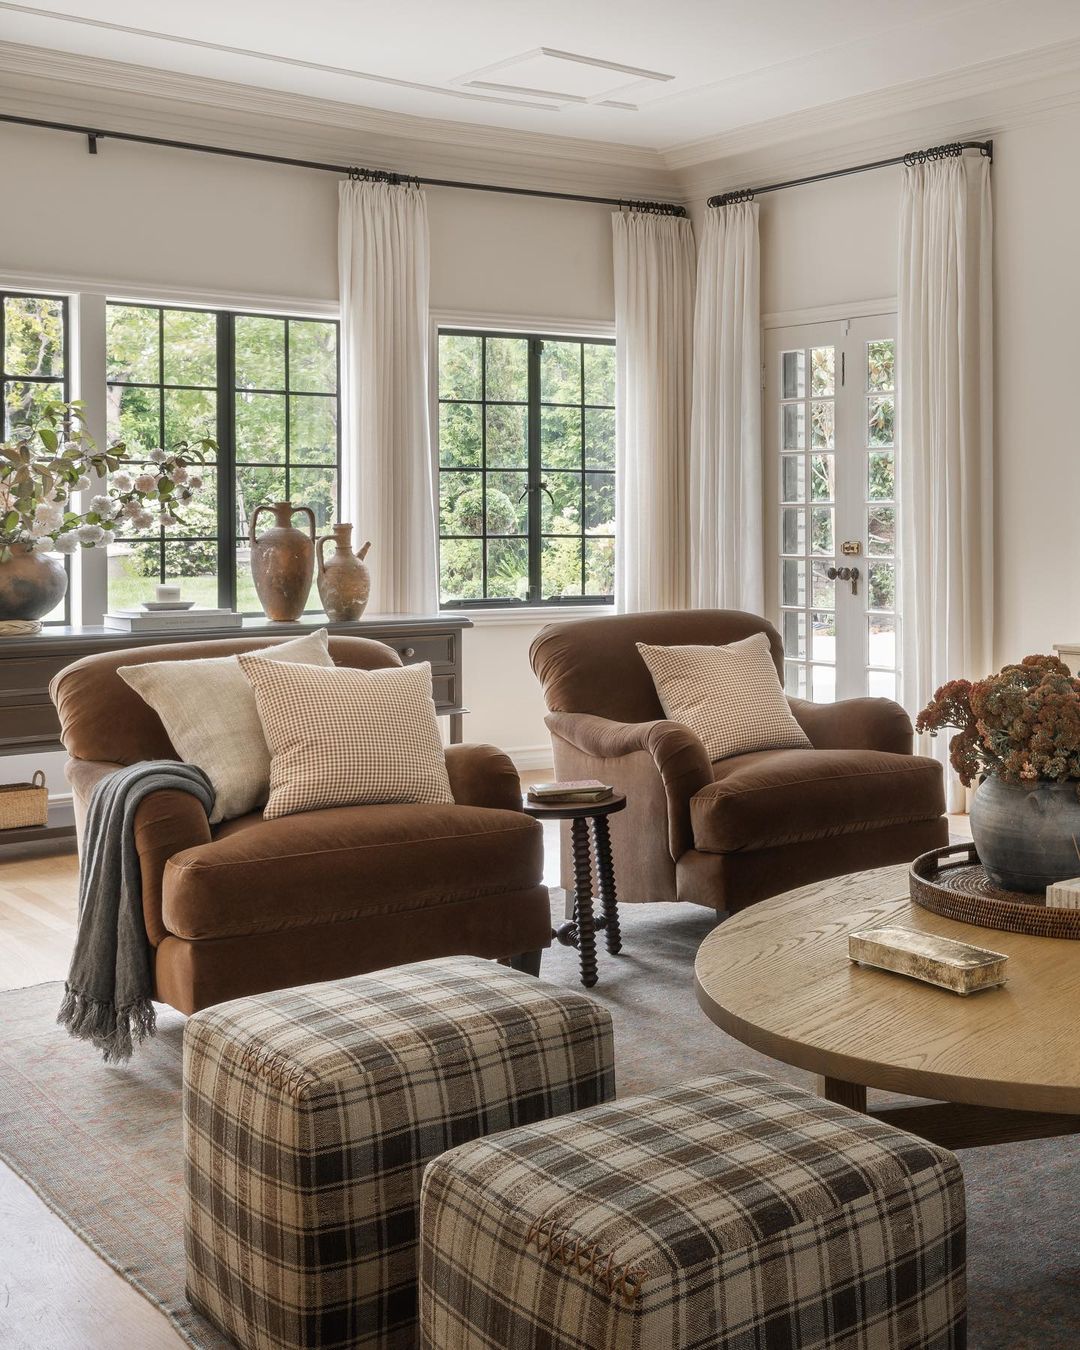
x: 730, y: 696
x: 343, y: 737
x: 208, y: 712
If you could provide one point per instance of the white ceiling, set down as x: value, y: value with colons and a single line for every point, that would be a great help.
x: 653, y: 73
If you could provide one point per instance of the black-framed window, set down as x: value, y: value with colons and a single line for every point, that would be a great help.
x: 526, y: 468
x: 266, y: 388
x: 34, y: 371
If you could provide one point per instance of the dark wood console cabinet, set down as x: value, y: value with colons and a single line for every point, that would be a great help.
x: 28, y: 720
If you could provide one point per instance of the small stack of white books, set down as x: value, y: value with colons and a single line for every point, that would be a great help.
x: 171, y: 620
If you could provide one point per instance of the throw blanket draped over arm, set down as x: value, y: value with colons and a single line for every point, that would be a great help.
x: 107, y: 997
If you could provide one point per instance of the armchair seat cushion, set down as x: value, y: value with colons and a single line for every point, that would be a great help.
x: 322, y: 867
x: 776, y: 797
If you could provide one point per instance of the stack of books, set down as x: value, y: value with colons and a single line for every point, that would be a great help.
x: 574, y: 792
x: 171, y: 620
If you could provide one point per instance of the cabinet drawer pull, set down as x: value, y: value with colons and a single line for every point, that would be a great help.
x: 408, y: 653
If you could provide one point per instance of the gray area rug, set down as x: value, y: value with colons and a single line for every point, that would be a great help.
x: 102, y: 1144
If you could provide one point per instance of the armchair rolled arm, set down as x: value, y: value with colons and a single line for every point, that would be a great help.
x: 482, y: 775
x: 856, y: 724
x: 677, y: 754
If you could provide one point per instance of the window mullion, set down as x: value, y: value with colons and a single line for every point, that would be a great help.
x: 536, y: 347
x: 226, y: 462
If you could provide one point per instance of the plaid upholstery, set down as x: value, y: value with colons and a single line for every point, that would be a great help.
x: 309, y: 1115
x: 729, y: 696
x: 732, y: 1213
x: 344, y: 737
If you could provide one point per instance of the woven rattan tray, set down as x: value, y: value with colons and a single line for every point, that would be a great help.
x: 951, y: 882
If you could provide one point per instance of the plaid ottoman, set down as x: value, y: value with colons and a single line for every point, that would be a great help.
x: 732, y: 1213
x: 309, y: 1115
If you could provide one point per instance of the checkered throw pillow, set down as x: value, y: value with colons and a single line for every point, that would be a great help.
x: 343, y: 737
x: 729, y: 697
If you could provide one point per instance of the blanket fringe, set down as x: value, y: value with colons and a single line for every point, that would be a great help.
x: 111, y: 1030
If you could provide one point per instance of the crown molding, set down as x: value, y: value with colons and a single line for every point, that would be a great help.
x: 1033, y: 69
x: 56, y: 85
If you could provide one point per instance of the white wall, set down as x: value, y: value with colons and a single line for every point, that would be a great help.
x: 168, y: 224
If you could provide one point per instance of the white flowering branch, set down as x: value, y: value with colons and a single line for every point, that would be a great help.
x: 48, y: 462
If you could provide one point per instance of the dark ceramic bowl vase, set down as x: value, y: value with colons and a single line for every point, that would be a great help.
x: 31, y: 584
x: 1027, y: 837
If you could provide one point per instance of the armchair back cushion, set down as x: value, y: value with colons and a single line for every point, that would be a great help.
x: 103, y: 718
x: 593, y: 665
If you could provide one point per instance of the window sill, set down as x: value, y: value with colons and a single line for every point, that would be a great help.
x: 533, y: 616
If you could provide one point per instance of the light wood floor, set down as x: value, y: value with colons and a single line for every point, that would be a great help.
x: 55, y: 1293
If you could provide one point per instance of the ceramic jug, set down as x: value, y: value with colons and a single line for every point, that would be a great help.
x: 283, y: 562
x: 343, y: 578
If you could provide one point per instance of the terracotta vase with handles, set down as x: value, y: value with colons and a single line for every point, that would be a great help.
x: 343, y: 579
x: 283, y: 561
x: 31, y: 584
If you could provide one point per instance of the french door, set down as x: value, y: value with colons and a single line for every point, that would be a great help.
x: 831, y: 451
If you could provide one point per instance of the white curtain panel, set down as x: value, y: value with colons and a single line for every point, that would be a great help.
x: 727, y: 528
x: 654, y: 306
x: 945, y: 391
x: 387, y: 470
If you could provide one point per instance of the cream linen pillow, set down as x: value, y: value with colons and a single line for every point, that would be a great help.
x: 208, y: 711
x: 344, y: 737
x: 730, y: 696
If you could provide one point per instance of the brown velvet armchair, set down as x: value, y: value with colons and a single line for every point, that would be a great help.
x: 729, y: 833
x: 253, y: 904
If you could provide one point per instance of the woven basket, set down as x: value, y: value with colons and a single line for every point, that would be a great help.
x: 23, y: 804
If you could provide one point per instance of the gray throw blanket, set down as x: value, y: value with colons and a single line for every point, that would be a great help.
x: 107, y: 997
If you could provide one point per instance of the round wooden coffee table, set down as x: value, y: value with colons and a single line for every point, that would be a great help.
x: 1000, y: 1065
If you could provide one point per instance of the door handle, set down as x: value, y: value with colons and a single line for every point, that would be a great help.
x: 850, y: 574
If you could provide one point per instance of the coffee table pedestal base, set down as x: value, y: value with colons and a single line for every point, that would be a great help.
x: 955, y: 1124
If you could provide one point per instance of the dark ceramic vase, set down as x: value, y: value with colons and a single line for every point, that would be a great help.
x: 31, y: 584
x: 1027, y: 837
x: 283, y: 562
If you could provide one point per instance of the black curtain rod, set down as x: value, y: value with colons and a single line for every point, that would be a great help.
x: 93, y: 136
x: 985, y: 148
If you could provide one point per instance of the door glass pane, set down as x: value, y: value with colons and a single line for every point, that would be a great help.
x: 822, y: 423
x: 822, y: 478
x: 793, y: 529
x: 823, y: 684
x: 881, y: 530
x: 879, y: 423
x: 881, y: 478
x: 795, y: 682
x: 794, y: 426
x: 823, y: 590
x: 881, y: 640
x: 823, y: 365
x: 823, y: 636
x: 880, y: 361
x: 792, y: 374
x: 794, y: 631
x: 881, y: 684
x: 882, y: 585
x: 793, y: 478
x: 821, y: 531
x: 794, y: 583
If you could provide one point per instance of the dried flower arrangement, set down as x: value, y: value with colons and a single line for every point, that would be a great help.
x: 1020, y: 726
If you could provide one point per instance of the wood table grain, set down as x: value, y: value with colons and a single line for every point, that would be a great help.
x: 1000, y: 1065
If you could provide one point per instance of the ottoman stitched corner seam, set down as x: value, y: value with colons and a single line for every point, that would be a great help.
x: 278, y: 1072
x: 587, y: 1258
